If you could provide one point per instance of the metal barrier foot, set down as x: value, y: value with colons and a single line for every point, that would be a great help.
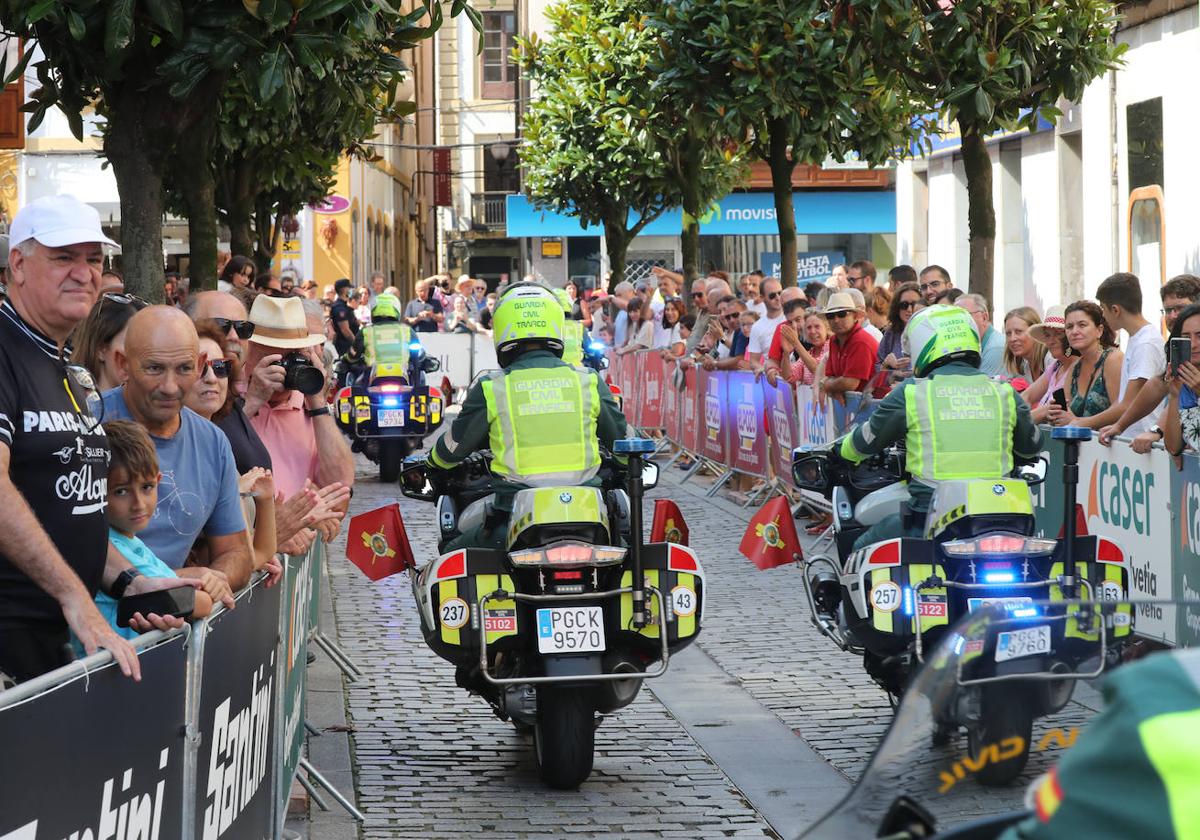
x: 338, y: 656
x: 314, y: 776
x: 718, y: 484
x: 312, y: 792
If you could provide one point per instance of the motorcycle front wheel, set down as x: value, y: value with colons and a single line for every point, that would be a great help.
x: 564, y: 736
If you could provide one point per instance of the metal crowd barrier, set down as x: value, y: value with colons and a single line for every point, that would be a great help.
x: 205, y: 746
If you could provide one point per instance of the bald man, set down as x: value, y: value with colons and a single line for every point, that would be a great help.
x: 198, y: 492
x: 227, y: 311
x: 715, y: 290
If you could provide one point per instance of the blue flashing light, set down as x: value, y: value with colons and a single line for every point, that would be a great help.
x: 1071, y: 433
x: 391, y: 402
x: 415, y: 346
x: 630, y: 446
x: 908, y: 601
x: 998, y: 577
x: 958, y: 645
x: 596, y: 347
x: 1025, y: 612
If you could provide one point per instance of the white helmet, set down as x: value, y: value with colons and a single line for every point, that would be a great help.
x: 940, y: 334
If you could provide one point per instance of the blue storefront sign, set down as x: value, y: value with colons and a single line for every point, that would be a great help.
x: 810, y: 265
x: 737, y: 214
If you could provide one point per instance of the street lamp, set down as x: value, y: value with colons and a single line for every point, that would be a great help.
x: 500, y: 152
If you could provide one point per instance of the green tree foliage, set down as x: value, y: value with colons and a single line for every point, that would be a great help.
x: 779, y: 77
x: 156, y: 71
x: 600, y: 140
x: 987, y: 65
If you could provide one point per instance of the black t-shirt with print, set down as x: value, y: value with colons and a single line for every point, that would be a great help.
x: 57, y: 461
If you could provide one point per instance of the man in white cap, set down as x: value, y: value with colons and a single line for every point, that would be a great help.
x: 54, y: 550
x: 297, y: 428
x: 851, y: 358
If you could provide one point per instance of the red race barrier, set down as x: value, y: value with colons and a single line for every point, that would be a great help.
x: 671, y: 397
x: 781, y: 407
x: 648, y: 368
x: 743, y: 419
x: 710, y: 399
x: 689, y: 423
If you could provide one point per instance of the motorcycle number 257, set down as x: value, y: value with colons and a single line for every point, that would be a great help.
x: 885, y: 596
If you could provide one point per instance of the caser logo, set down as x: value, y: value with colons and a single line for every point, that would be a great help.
x: 1121, y: 496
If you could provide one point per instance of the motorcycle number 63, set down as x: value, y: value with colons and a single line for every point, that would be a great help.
x: 885, y: 596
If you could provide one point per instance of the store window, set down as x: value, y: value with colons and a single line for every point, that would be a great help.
x: 499, y: 73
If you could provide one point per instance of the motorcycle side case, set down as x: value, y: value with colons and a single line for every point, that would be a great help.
x: 676, y: 572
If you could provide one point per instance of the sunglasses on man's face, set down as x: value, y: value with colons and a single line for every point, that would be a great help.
x: 697, y: 294
x: 772, y: 295
x: 834, y: 315
x: 220, y: 367
x: 244, y: 329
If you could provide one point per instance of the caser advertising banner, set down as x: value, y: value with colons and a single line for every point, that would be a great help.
x: 64, y: 776
x: 649, y: 372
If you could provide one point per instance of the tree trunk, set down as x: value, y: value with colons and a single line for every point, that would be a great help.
x: 981, y: 212
x: 689, y: 239
x: 693, y: 209
x: 264, y: 234
x: 616, y: 242
x: 196, y: 180
x: 130, y: 148
x: 782, y: 167
x: 239, y: 208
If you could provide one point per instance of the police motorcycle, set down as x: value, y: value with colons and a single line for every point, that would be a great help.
x: 892, y: 602
x: 561, y: 628
x: 388, y: 409
x: 909, y: 791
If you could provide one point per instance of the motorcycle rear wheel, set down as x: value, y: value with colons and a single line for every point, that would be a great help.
x: 1007, y: 715
x: 564, y: 736
x: 391, y: 458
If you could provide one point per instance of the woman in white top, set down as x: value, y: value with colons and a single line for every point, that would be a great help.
x: 640, y: 334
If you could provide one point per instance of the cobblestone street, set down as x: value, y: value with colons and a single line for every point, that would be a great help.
x: 430, y: 760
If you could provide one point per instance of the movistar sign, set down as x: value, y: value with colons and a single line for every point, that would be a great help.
x: 737, y: 214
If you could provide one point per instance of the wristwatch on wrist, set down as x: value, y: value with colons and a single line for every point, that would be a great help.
x: 122, y: 583
x: 1156, y: 430
x: 316, y: 412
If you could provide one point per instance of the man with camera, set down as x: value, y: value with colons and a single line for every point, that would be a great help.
x: 287, y: 398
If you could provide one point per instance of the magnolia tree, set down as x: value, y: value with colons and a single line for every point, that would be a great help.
x: 780, y: 80
x: 987, y: 65
x: 601, y: 140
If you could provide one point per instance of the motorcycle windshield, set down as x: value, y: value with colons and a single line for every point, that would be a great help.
x: 999, y: 700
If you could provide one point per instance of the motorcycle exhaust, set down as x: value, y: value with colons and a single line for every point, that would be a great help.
x: 617, y: 694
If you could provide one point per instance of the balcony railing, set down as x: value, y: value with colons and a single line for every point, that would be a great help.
x: 488, y: 210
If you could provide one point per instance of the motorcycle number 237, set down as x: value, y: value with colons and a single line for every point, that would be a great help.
x: 453, y: 613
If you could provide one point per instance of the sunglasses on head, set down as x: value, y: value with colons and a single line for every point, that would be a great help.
x: 220, y: 367
x: 244, y: 329
x: 82, y: 379
x: 125, y: 299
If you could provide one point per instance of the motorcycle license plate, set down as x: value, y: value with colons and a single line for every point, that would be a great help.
x: 570, y: 629
x: 390, y: 417
x: 1008, y: 603
x: 1028, y: 641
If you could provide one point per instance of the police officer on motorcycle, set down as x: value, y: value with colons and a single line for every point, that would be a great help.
x: 956, y: 422
x: 542, y: 419
x: 386, y: 340
x: 572, y: 331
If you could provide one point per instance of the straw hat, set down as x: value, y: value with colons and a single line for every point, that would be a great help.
x: 280, y: 322
x: 1055, y: 319
x: 841, y: 302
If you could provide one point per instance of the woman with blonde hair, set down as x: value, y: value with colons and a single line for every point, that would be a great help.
x: 1024, y: 355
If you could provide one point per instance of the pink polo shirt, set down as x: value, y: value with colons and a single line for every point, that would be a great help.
x: 289, y: 437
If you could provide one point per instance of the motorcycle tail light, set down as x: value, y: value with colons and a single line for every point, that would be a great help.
x: 1000, y: 544
x: 568, y: 553
x: 389, y: 388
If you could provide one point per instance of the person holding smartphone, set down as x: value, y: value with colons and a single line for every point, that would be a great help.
x: 1181, y: 424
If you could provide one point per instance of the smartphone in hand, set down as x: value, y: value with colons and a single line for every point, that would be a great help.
x: 1179, y: 350
x: 178, y: 602
x: 1060, y: 398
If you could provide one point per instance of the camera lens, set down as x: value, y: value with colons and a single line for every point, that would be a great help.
x: 301, y: 375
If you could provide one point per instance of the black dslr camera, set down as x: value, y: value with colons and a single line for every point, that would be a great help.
x: 300, y: 374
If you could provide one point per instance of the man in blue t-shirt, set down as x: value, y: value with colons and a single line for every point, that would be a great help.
x: 199, y: 491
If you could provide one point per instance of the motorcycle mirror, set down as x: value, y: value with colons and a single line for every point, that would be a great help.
x: 604, y: 363
x: 649, y: 475
x: 809, y: 471
x: 429, y: 364
x: 1035, y: 473
x: 413, y: 482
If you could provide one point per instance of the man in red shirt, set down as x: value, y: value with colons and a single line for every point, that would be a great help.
x: 851, y: 359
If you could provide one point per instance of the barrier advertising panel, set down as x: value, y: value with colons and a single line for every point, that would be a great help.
x: 236, y: 774
x: 710, y: 399
x: 815, y: 422
x: 76, y: 765
x: 670, y: 404
x: 649, y: 371
x: 781, y: 411
x: 747, y: 434
x: 1185, y: 492
x: 688, y: 418
x: 296, y: 591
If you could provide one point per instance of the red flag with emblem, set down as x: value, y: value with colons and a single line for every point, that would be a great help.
x: 771, y: 539
x: 668, y: 524
x: 377, y: 543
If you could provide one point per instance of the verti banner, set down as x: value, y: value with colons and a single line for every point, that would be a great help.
x: 296, y: 591
x: 670, y: 404
x: 710, y: 399
x: 649, y: 367
x: 780, y: 404
x: 688, y: 417
x: 746, y: 436
x: 815, y: 421
x: 97, y: 752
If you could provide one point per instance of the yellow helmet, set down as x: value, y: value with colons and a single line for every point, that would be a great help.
x: 940, y: 334
x: 527, y: 314
x: 564, y: 300
x: 386, y: 306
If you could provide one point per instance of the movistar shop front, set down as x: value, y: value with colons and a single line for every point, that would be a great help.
x: 738, y: 235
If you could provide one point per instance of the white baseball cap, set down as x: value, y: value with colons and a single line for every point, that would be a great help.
x: 57, y: 221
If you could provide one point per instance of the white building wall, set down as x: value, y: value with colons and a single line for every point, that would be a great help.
x: 1034, y: 281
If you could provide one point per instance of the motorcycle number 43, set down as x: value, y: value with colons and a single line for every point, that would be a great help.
x: 570, y: 629
x: 1028, y: 641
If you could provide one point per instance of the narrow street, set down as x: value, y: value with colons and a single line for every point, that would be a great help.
x: 756, y: 731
